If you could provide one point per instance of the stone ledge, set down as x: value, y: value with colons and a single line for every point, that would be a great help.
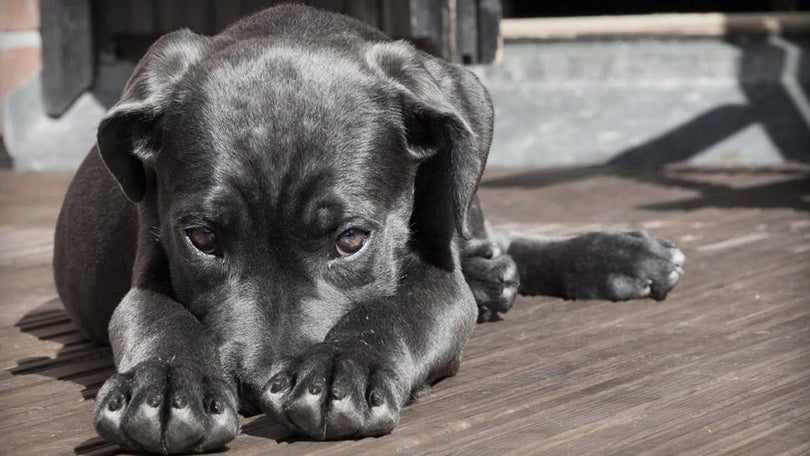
x: 704, y: 24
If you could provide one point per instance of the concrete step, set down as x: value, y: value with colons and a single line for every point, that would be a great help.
x: 636, y: 101
x: 648, y: 101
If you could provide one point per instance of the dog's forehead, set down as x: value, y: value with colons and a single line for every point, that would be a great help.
x: 273, y: 94
x: 276, y: 101
x: 276, y: 122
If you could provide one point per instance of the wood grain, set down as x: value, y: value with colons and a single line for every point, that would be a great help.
x: 721, y: 367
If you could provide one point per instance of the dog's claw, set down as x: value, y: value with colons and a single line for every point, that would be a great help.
x: 115, y: 403
x: 217, y: 407
x: 178, y: 402
x: 154, y: 400
x: 376, y: 399
x: 315, y: 389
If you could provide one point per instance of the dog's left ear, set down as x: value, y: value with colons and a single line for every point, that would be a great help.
x: 447, y: 117
x: 129, y: 135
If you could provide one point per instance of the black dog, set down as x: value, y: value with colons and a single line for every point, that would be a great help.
x: 306, y: 240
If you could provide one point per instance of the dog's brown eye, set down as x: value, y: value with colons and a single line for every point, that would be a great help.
x: 204, y: 239
x: 350, y: 242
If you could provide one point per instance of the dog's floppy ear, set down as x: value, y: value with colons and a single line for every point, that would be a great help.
x: 129, y: 135
x: 447, y: 117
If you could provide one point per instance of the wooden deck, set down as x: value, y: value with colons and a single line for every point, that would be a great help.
x: 722, y: 366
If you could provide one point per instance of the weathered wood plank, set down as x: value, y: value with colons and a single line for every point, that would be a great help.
x: 367, y: 11
x: 721, y: 366
x: 395, y: 19
x: 489, y: 30
x: 428, y: 27
x: 67, y: 52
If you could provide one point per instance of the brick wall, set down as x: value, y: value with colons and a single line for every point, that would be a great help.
x: 20, y: 50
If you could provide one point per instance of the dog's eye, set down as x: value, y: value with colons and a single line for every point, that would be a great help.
x: 204, y: 239
x: 350, y: 242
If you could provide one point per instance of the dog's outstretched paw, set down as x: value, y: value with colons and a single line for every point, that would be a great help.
x: 335, y: 391
x: 167, y: 408
x: 492, y: 276
x: 625, y: 265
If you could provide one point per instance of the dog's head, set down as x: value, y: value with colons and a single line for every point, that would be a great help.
x: 287, y: 183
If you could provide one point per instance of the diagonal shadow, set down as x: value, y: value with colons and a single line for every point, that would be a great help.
x: 765, y: 69
x: 790, y: 194
x: 768, y: 66
x: 96, y: 446
x: 766, y: 60
x: 264, y: 427
x: 689, y: 139
x: 78, y: 360
x: 790, y: 191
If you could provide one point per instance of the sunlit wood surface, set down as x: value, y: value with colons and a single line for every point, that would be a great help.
x: 722, y: 366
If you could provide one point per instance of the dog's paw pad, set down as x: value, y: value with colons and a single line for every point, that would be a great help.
x: 623, y: 287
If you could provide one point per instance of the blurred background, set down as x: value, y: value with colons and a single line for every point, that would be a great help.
x: 574, y: 83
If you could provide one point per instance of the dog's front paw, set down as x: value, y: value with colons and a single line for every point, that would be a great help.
x: 624, y: 265
x: 166, y: 408
x: 492, y: 277
x: 335, y: 391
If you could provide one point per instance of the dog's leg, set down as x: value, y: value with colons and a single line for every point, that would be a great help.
x: 490, y: 273
x: 356, y: 382
x: 613, y: 265
x: 170, y: 394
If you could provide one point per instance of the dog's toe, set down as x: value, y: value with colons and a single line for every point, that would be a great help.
x: 113, y: 400
x: 677, y: 257
x: 383, y: 403
x: 348, y: 406
x: 673, y: 278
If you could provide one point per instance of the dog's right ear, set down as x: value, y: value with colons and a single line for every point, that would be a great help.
x: 130, y: 135
x: 446, y: 129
